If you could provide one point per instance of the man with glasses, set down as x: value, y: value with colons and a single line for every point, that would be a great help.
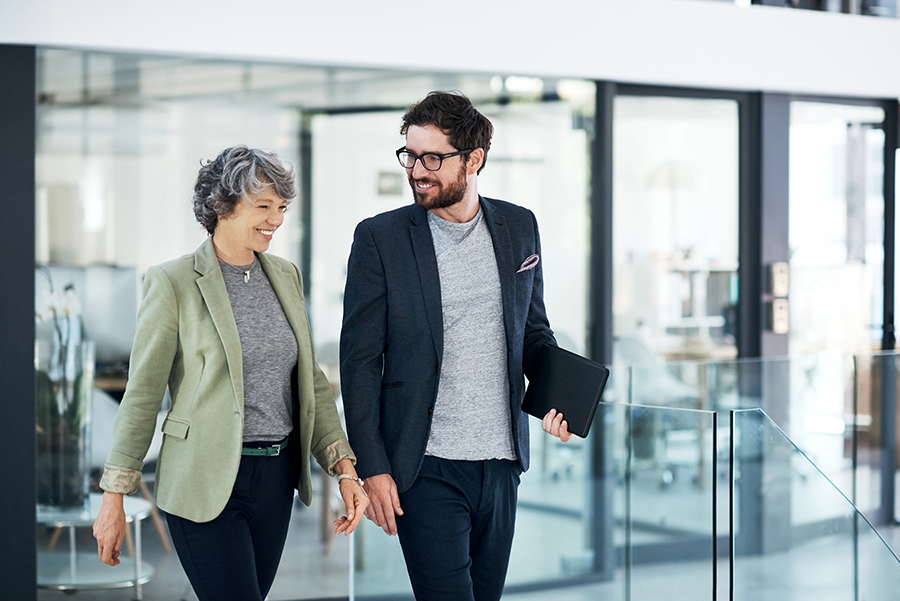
x: 443, y: 313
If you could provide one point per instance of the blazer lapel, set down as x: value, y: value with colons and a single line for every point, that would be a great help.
x: 215, y: 295
x: 423, y: 247
x: 506, y: 266
x: 286, y: 291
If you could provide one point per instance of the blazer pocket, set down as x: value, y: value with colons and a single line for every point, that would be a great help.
x: 176, y: 427
x: 391, y: 385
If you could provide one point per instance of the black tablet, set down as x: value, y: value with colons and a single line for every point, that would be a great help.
x: 569, y: 383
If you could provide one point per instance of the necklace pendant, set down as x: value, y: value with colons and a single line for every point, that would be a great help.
x: 247, y: 276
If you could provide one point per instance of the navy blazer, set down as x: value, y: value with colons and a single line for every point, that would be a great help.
x: 392, y: 335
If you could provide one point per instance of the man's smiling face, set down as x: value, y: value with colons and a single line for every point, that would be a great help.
x: 435, y: 189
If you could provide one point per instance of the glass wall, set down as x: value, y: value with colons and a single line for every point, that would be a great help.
x: 120, y: 140
x: 836, y: 227
x: 675, y: 228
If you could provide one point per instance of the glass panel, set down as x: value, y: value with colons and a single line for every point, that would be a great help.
x: 668, y: 502
x: 896, y: 246
x: 828, y: 404
x: 778, y: 554
x: 707, y: 387
x: 555, y: 513
x: 821, y: 405
x: 875, y: 396
x: 836, y: 227
x: 119, y: 141
x: 675, y: 215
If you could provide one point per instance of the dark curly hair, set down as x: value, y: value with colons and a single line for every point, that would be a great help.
x: 454, y: 114
x: 233, y: 176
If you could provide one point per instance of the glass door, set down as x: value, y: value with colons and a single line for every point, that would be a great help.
x: 836, y: 227
x: 675, y: 229
x: 836, y: 291
x: 675, y: 201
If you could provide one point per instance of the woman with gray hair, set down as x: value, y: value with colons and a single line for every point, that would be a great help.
x: 225, y: 329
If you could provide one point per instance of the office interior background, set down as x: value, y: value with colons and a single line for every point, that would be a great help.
x: 684, y: 158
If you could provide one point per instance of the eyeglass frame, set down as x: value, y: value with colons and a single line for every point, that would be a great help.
x: 419, y: 158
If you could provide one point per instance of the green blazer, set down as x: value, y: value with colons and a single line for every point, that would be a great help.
x: 187, y: 340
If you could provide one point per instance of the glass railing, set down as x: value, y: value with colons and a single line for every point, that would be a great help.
x: 837, y: 408
x: 644, y: 507
x: 795, y: 535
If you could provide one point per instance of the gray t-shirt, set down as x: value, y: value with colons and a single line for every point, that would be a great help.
x: 268, y: 350
x: 471, y: 419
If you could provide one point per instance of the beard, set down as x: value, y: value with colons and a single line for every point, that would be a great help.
x: 446, y: 197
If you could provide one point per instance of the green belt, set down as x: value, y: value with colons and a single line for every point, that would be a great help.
x: 272, y: 451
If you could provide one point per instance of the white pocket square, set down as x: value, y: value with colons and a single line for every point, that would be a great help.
x: 529, y: 263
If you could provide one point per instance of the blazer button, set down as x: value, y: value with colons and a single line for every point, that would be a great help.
x: 430, y: 411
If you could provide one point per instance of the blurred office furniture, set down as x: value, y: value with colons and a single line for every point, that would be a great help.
x: 657, y: 444
x: 658, y: 386
x: 75, y: 570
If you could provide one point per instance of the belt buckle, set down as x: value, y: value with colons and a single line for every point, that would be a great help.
x: 275, y: 450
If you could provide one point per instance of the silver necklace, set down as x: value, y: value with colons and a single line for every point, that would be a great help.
x: 246, y: 272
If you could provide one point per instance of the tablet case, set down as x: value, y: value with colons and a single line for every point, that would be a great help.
x: 569, y: 383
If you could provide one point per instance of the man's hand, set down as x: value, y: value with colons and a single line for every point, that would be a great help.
x: 109, y: 528
x: 383, y: 502
x: 554, y: 424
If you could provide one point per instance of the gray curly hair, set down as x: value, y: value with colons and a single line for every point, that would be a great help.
x: 233, y: 176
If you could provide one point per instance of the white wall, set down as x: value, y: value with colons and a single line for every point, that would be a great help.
x: 677, y: 42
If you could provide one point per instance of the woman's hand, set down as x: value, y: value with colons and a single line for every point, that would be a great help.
x: 355, y: 499
x: 109, y: 528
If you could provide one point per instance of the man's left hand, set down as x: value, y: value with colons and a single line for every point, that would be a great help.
x: 554, y: 424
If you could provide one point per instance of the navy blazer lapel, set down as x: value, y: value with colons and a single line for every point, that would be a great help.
x: 426, y: 261
x: 506, y: 266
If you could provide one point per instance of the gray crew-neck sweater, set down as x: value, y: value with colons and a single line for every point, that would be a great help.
x: 471, y: 418
x: 268, y: 350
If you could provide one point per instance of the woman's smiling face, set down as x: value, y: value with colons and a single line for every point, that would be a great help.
x: 250, y: 226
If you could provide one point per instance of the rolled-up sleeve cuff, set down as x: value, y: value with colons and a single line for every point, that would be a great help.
x: 121, y: 480
x: 329, y: 457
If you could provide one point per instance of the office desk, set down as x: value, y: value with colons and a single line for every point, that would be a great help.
x: 75, y: 570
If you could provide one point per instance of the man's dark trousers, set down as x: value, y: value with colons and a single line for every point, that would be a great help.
x: 457, y: 528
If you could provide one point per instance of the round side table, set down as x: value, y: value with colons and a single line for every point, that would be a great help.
x: 79, y: 570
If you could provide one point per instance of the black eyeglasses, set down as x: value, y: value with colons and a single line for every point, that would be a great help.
x: 430, y: 160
